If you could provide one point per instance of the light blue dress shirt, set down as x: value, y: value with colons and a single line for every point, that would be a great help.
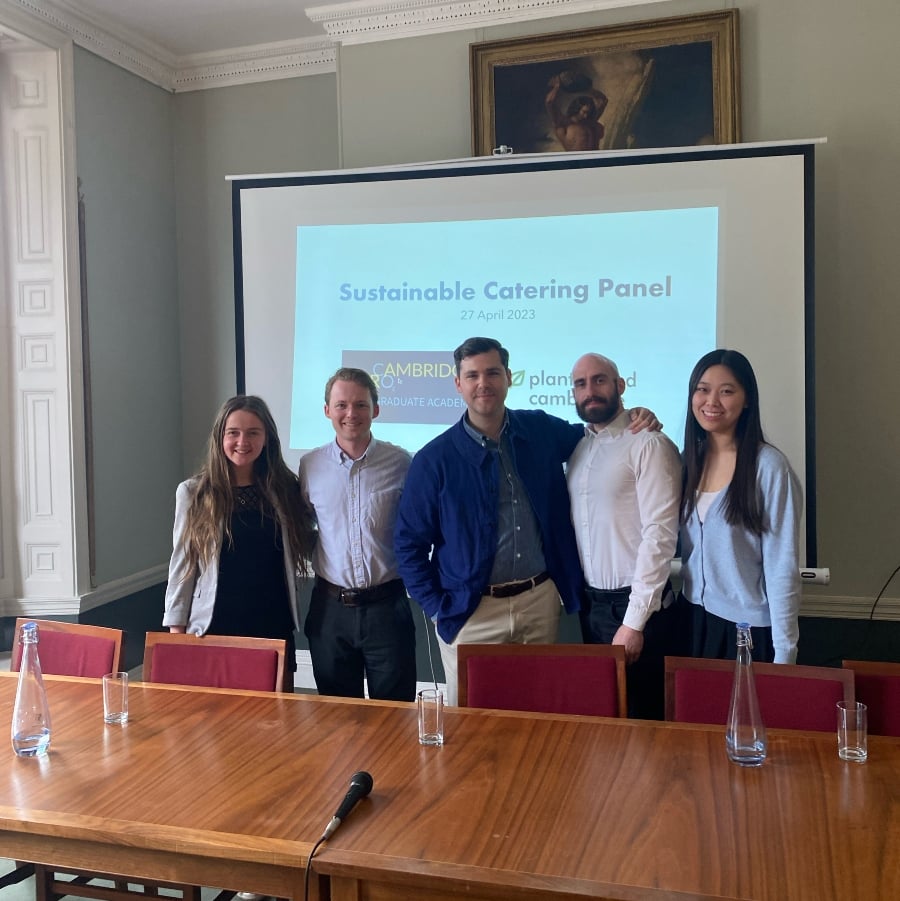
x: 355, y: 503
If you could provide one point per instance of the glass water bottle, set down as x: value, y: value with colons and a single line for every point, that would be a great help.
x: 745, y: 734
x: 30, y: 729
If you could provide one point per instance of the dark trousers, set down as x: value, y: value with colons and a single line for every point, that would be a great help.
x: 601, y: 616
x: 712, y: 636
x: 375, y: 641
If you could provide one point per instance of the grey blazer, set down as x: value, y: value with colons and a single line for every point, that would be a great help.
x: 190, y: 602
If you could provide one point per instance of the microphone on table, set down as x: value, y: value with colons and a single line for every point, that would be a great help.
x: 360, y: 786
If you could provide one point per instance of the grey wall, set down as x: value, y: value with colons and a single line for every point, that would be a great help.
x: 160, y: 296
x: 810, y: 68
x: 125, y: 160
x: 276, y: 126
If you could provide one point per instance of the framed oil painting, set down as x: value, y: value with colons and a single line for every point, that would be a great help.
x: 661, y: 83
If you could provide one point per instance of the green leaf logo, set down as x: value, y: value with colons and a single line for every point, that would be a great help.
x: 518, y: 378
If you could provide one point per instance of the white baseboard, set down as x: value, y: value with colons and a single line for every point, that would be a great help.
x: 40, y: 607
x: 73, y: 605
x: 120, y: 588
x: 829, y: 606
x: 303, y: 678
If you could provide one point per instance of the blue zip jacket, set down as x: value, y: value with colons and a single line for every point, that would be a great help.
x: 446, y: 536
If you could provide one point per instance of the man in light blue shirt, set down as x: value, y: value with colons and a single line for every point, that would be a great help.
x: 359, y: 624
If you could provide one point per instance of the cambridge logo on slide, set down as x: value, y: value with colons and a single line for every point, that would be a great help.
x: 413, y: 386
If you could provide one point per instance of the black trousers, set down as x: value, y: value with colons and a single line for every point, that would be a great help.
x: 375, y: 641
x: 602, y: 614
x: 712, y: 636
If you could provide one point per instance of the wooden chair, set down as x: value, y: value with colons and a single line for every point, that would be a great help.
x: 878, y: 687
x: 65, y: 649
x: 790, y: 696
x: 585, y: 679
x: 72, y: 649
x: 215, y: 661
x: 78, y: 649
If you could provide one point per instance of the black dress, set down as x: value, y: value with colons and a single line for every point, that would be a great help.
x: 252, y: 597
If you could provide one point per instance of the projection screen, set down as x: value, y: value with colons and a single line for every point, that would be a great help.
x: 652, y: 259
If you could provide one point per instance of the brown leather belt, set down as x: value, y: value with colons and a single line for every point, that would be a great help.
x: 510, y: 589
x: 360, y: 597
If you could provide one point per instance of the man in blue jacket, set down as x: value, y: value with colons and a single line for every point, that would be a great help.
x: 483, y: 537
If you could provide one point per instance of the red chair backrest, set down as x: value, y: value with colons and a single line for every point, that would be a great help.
x: 881, y: 694
x: 544, y: 684
x: 216, y: 667
x: 878, y: 687
x: 68, y: 654
x: 785, y: 702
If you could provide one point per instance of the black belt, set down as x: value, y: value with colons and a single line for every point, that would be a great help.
x: 609, y: 595
x: 510, y: 589
x: 360, y: 597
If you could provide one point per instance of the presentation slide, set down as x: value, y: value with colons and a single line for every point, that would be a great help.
x: 651, y: 258
x: 546, y: 287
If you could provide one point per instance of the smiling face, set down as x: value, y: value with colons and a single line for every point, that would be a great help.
x: 351, y: 411
x: 243, y: 441
x: 484, y: 382
x: 718, y: 401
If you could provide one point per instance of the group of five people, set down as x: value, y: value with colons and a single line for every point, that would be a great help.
x: 494, y: 526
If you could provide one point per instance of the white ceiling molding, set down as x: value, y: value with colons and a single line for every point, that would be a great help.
x: 355, y: 22
x: 129, y: 51
x: 364, y: 21
x: 264, y: 62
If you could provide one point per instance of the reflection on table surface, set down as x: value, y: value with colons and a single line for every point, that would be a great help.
x: 240, y: 785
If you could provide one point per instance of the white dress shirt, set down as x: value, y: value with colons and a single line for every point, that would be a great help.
x: 355, y: 502
x: 625, y: 491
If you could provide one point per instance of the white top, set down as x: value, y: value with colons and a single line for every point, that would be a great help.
x: 704, y: 502
x: 355, y: 502
x: 625, y: 491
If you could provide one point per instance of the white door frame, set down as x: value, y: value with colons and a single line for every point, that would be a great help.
x: 44, y: 567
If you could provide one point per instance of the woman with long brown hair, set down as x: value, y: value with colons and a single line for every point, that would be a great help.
x: 242, y: 533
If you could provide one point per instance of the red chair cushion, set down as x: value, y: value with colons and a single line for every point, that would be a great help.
x: 215, y: 667
x: 881, y: 694
x: 785, y: 702
x: 66, y: 654
x: 544, y: 684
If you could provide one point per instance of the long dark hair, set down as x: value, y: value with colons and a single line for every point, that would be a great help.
x: 212, y: 502
x: 742, y: 499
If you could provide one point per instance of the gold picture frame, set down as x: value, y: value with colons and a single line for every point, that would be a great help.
x: 660, y: 83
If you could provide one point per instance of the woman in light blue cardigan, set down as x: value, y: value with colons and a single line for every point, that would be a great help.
x: 740, y: 516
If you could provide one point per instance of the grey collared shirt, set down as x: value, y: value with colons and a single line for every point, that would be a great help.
x: 520, y: 553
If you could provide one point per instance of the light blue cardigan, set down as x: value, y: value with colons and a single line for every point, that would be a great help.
x: 742, y: 577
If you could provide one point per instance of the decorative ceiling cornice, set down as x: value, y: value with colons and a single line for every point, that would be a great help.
x: 355, y: 22
x: 364, y: 21
x: 127, y: 50
x: 264, y: 62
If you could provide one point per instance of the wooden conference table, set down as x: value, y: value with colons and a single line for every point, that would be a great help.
x: 231, y: 789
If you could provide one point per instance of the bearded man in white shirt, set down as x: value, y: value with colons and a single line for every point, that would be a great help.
x: 625, y: 490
